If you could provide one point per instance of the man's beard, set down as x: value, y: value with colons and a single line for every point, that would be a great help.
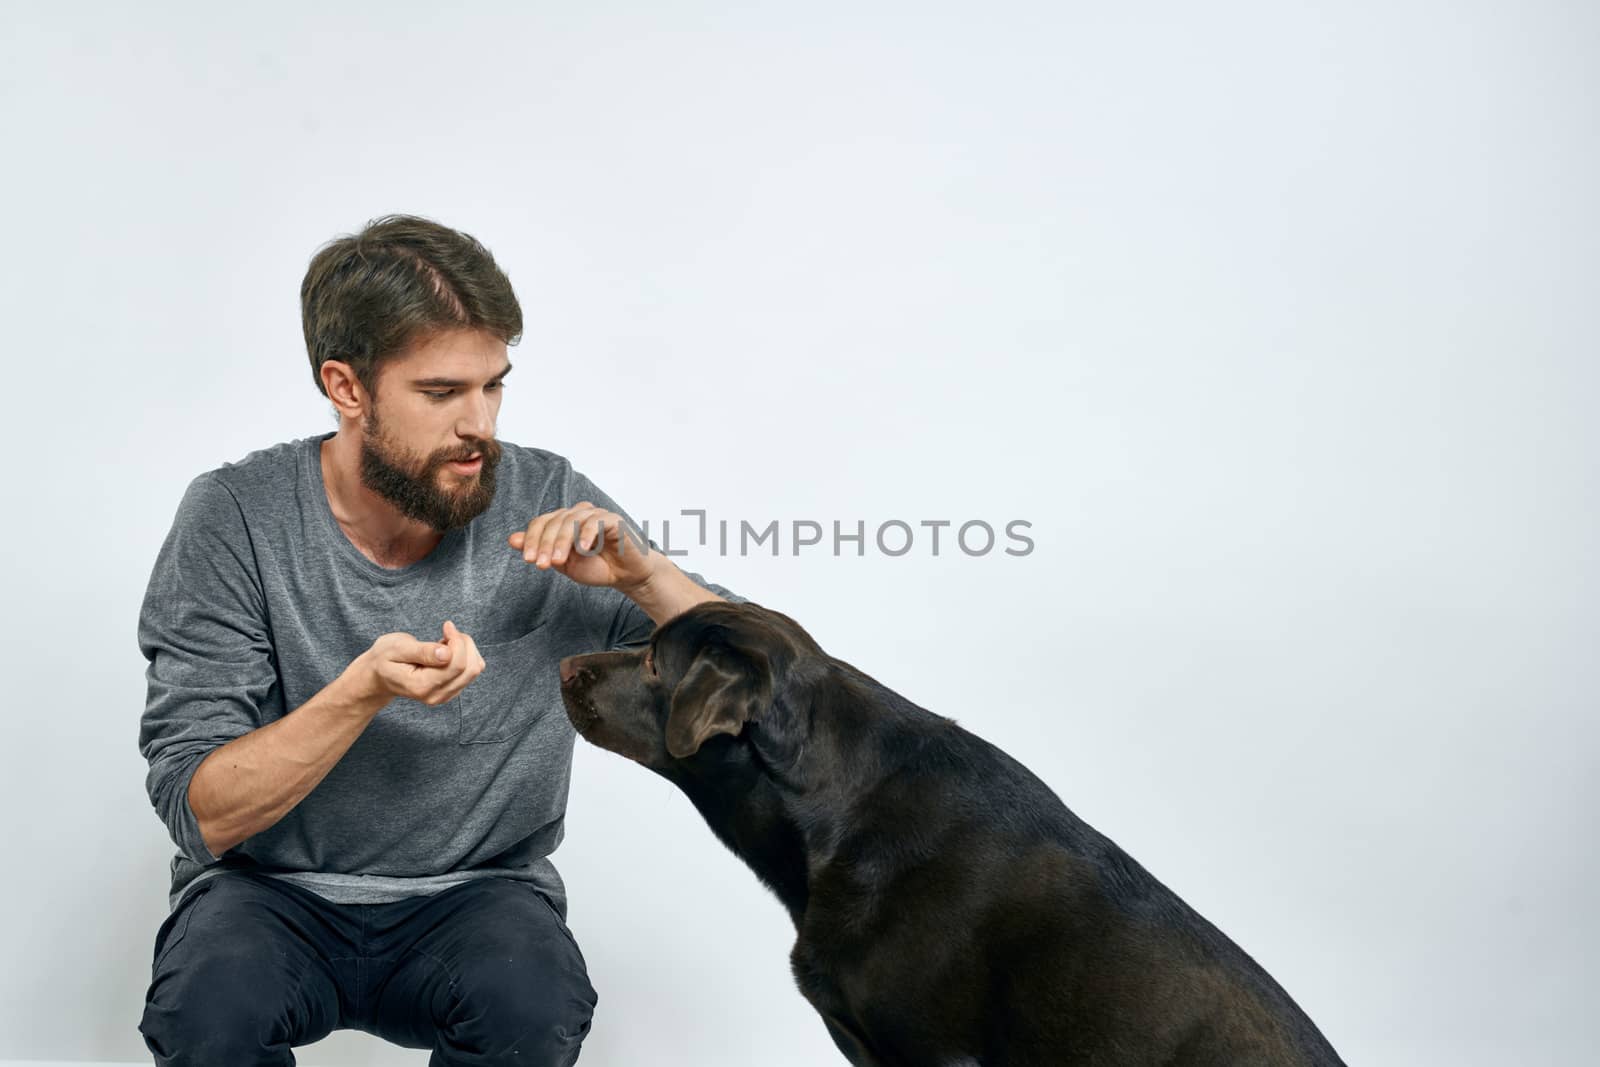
x: 387, y: 470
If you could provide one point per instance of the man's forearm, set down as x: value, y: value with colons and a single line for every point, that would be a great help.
x: 251, y: 782
x: 668, y: 591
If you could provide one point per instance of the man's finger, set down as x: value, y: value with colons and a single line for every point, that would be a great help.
x: 471, y: 668
x: 533, y: 534
x: 551, y: 534
x: 426, y: 653
x: 571, y: 532
x: 457, y: 643
x: 590, y: 542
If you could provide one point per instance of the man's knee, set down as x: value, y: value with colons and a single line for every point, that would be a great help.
x: 230, y: 987
x: 530, y: 1016
x: 214, y: 1009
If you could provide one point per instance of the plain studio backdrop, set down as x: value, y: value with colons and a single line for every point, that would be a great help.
x: 1276, y: 322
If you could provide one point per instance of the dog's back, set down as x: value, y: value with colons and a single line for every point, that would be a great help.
x: 1020, y: 930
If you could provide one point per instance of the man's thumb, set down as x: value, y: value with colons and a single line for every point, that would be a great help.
x: 431, y: 653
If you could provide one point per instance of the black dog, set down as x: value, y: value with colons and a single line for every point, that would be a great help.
x: 950, y: 910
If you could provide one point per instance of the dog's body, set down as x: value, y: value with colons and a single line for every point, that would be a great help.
x: 949, y: 908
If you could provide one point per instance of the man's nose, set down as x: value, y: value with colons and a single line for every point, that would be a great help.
x: 477, y: 426
x: 569, y: 669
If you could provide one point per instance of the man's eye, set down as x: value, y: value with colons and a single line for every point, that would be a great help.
x: 435, y: 395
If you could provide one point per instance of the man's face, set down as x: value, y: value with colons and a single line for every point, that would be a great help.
x: 439, y: 403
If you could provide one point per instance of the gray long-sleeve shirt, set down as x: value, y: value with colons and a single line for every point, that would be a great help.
x: 258, y: 600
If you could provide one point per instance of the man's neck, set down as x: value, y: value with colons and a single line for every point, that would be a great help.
x: 377, y: 529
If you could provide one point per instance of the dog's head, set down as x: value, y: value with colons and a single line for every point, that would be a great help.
x: 705, y: 678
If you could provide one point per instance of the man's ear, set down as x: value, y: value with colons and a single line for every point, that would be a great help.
x: 721, y: 692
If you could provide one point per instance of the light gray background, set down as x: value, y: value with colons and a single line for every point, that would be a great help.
x: 1277, y: 321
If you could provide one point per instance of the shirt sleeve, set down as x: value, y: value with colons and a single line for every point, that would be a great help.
x: 629, y: 627
x: 203, y: 631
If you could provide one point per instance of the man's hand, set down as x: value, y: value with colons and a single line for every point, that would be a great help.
x: 399, y: 665
x: 549, y: 541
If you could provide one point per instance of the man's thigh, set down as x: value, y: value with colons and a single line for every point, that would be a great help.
x: 486, y: 973
x: 240, y: 975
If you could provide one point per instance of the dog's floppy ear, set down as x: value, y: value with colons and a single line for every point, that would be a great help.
x: 721, y: 692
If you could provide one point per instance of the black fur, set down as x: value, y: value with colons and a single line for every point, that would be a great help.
x: 950, y: 910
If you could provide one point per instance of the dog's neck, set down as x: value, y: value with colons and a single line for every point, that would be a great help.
x: 744, y: 808
x: 785, y: 801
x: 822, y: 774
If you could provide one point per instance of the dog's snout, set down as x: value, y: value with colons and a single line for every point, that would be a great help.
x: 569, y: 669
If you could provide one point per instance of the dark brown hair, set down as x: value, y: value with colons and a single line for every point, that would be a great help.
x: 368, y: 296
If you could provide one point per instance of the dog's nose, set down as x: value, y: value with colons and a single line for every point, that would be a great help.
x: 569, y: 669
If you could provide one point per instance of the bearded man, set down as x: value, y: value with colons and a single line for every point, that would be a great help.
x: 354, y: 727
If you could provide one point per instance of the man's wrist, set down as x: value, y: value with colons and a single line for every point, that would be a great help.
x: 643, y: 591
x: 666, y: 591
x: 359, y: 692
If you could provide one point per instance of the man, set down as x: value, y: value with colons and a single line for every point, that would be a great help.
x: 364, y: 812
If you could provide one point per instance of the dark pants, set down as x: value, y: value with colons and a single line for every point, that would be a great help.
x: 482, y: 973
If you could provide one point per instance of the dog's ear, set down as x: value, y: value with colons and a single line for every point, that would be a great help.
x: 723, y: 690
